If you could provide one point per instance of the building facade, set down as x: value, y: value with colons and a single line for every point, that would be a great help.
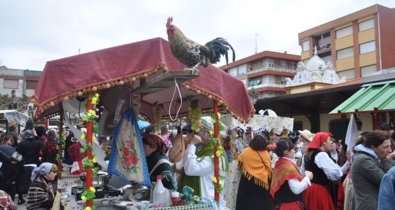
x: 360, y: 47
x: 16, y: 87
x: 264, y: 74
x: 357, y: 44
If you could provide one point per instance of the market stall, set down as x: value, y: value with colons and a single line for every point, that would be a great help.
x: 141, y: 77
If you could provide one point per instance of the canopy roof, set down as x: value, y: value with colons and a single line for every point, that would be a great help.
x: 129, y: 65
x: 321, y: 100
x: 377, y: 96
x: 14, y: 116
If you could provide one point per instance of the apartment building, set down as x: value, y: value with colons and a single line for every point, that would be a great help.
x: 264, y: 73
x: 16, y: 87
x: 357, y: 44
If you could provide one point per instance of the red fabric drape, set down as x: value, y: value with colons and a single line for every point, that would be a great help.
x: 102, y: 69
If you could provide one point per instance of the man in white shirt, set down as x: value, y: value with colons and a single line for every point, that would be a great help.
x: 199, y: 165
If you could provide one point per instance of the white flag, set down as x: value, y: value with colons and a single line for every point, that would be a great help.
x: 352, y: 133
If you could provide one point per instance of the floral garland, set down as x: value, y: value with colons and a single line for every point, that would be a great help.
x: 194, y: 115
x: 218, y: 181
x: 221, y: 183
x: 90, y: 116
x: 214, y: 120
x: 157, y: 111
x: 221, y: 178
x: 61, y: 146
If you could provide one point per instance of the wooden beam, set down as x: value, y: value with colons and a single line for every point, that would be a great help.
x: 164, y: 80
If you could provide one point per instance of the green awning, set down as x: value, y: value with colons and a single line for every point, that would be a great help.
x: 380, y: 96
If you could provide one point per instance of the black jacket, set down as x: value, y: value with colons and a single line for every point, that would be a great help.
x: 29, y: 149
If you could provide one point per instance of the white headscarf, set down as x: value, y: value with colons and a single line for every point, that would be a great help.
x: 43, y: 169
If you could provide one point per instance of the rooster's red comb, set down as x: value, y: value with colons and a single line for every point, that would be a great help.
x: 169, y: 21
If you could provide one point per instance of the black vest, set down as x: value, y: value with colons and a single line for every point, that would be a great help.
x: 285, y: 195
x: 319, y: 174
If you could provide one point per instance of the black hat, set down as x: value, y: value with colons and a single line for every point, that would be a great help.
x: 187, y: 129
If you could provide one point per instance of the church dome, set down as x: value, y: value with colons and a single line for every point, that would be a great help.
x: 316, y: 63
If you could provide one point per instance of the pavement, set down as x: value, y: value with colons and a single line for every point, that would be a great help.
x: 22, y: 206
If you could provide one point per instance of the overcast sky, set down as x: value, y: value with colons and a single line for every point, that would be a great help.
x: 36, y: 31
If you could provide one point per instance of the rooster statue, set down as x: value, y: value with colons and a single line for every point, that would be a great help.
x: 193, y: 54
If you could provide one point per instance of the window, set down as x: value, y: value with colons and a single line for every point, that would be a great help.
x: 256, y: 65
x: 268, y: 63
x: 242, y: 70
x: 283, y: 64
x: 367, y: 24
x: 305, y: 46
x: 31, y: 84
x: 232, y: 72
x: 278, y: 80
x: 344, y: 32
x: 367, y: 47
x: 254, y: 82
x: 268, y: 79
x: 345, y: 53
x: 368, y: 70
x: 324, y: 41
x: 11, y: 83
x: 349, y: 74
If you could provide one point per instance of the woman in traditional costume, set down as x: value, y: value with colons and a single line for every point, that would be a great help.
x: 287, y: 183
x: 41, y: 193
x: 158, y: 164
x: 325, y: 171
x: 255, y: 164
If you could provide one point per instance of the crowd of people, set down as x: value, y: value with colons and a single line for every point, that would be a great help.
x: 322, y: 176
x: 307, y: 171
x: 28, y: 167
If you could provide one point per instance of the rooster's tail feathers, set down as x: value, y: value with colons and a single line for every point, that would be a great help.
x: 218, y: 47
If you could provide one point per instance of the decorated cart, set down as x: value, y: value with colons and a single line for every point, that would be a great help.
x: 142, y: 78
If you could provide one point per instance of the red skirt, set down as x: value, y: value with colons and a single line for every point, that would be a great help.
x: 291, y: 206
x: 340, y: 197
x: 317, y: 197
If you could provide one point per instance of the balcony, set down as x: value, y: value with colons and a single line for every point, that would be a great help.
x: 280, y: 71
x: 323, y: 48
x: 266, y: 91
x: 266, y: 85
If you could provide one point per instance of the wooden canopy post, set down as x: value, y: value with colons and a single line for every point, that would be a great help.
x: 89, y: 134
x: 46, y: 123
x: 61, y: 144
x: 216, y: 157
